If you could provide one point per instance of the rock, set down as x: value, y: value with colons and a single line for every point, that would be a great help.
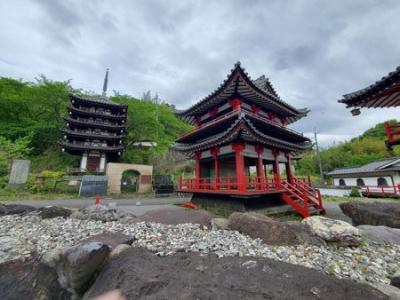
x: 110, y: 239
x: 48, y: 212
x: 219, y: 224
x: 380, y: 233
x: 100, y: 213
x: 118, y: 250
x: 377, y: 213
x: 29, y: 280
x: 390, y: 291
x: 176, y: 216
x: 191, y: 276
x: 79, y: 264
x: 339, y: 232
x: 395, y: 280
x: 52, y: 258
x: 271, y: 231
x: 15, y: 209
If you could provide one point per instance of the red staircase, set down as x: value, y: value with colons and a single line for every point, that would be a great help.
x: 302, y: 197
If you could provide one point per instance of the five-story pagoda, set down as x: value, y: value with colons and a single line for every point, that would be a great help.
x: 95, y: 130
x: 242, y: 126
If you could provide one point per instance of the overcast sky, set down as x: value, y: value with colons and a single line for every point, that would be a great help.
x: 313, y: 51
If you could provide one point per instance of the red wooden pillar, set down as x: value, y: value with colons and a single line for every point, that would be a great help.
x: 275, y: 170
x: 197, y: 168
x: 289, y: 174
x: 260, y: 166
x: 239, y: 159
x: 214, y: 154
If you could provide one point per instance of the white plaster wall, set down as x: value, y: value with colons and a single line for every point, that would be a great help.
x: 371, y: 181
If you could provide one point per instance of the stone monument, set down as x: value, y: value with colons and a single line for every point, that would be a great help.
x: 19, y: 172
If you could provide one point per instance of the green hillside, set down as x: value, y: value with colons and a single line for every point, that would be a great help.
x: 367, y: 147
x: 31, y: 114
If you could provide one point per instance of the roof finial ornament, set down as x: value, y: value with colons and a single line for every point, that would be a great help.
x: 237, y: 64
x: 105, y: 83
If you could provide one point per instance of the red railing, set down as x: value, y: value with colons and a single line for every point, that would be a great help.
x: 392, y: 132
x: 375, y: 190
x: 230, y: 183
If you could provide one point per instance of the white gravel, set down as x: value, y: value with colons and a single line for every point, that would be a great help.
x: 22, y: 236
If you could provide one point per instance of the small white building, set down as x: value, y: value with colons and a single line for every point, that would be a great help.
x: 378, y: 177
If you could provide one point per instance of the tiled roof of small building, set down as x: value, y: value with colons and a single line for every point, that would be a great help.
x: 375, y: 95
x: 372, y: 167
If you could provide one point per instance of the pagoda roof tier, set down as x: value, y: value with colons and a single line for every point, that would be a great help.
x: 225, y: 121
x: 93, y: 135
x: 93, y: 124
x: 383, y: 93
x: 100, y: 101
x: 82, y: 147
x: 239, y: 84
x: 83, y: 112
x: 243, y: 129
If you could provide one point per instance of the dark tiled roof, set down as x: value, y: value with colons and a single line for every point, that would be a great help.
x: 98, y: 99
x: 361, y: 97
x: 242, y: 128
x: 372, y: 167
x: 263, y: 83
x: 259, y: 91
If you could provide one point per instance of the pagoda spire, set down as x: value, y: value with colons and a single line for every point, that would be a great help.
x: 105, y: 83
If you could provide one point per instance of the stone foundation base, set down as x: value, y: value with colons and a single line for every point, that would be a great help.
x: 227, y: 204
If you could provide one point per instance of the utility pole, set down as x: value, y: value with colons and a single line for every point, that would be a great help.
x: 318, y: 154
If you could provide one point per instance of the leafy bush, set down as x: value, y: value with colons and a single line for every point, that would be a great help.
x: 355, y: 192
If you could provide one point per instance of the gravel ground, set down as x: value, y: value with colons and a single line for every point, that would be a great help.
x: 23, y: 236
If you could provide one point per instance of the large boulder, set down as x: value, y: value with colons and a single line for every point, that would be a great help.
x: 49, y: 212
x: 174, y: 216
x: 76, y: 266
x: 271, y: 231
x: 337, y: 231
x: 15, y: 209
x: 380, y: 233
x: 29, y: 280
x: 376, y: 213
x: 395, y: 280
x: 110, y: 239
x: 191, y: 276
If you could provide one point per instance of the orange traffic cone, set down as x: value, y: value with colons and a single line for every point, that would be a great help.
x: 97, y: 200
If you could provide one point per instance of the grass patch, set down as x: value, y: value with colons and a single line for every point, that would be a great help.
x: 340, y: 199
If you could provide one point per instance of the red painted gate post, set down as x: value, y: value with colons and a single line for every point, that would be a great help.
x: 214, y: 154
x: 197, y: 169
x: 289, y: 173
x: 260, y: 166
x: 275, y: 169
x: 239, y: 159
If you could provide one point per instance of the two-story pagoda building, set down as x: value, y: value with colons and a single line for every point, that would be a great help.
x: 242, y: 126
x: 94, y: 130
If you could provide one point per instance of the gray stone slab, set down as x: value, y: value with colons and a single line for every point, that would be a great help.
x: 93, y: 185
x: 19, y: 172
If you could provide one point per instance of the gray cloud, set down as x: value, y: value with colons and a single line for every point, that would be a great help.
x: 313, y: 51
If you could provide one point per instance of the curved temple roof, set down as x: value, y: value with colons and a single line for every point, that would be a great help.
x: 383, y: 93
x: 102, y: 100
x: 259, y: 91
x: 243, y: 128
